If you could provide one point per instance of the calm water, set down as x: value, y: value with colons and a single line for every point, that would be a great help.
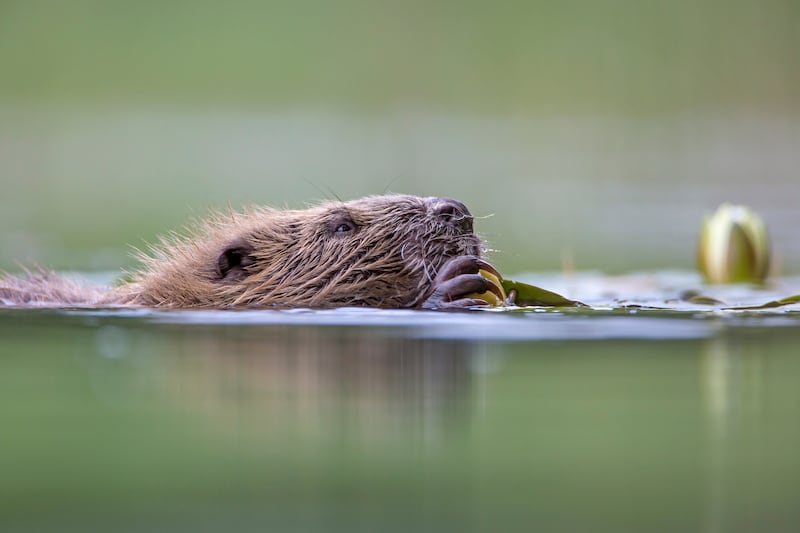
x: 398, y: 421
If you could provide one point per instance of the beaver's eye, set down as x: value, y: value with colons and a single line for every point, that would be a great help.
x: 342, y: 225
x: 343, y: 228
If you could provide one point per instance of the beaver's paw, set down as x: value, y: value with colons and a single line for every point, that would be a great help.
x: 458, y: 282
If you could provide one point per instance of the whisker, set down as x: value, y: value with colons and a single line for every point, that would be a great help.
x: 425, y: 270
x: 391, y: 182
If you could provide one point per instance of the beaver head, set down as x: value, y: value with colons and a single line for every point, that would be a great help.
x: 379, y: 251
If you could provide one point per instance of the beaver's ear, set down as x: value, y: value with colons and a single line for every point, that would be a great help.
x: 233, y: 261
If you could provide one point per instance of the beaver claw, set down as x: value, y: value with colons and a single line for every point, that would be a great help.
x: 459, y: 278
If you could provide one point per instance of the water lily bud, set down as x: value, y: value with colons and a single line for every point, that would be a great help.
x: 734, y: 246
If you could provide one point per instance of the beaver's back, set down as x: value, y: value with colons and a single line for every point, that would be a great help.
x: 42, y: 288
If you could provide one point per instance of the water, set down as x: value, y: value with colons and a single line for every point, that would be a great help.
x: 364, y: 420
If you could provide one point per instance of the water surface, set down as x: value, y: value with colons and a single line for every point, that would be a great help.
x: 363, y: 420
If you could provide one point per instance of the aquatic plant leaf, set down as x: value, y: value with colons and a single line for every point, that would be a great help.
x: 530, y: 295
x: 704, y: 300
x: 769, y: 305
x: 489, y: 297
x: 694, y: 297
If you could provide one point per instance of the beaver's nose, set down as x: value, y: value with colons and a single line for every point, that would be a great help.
x: 453, y: 212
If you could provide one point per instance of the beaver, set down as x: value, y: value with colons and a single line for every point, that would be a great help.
x: 394, y: 251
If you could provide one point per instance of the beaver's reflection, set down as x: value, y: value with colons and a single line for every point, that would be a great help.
x: 312, y: 378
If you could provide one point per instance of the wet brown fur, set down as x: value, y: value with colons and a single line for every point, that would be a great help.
x: 287, y: 258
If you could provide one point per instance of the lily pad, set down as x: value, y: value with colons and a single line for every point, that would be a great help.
x: 695, y: 297
x: 531, y: 295
x: 769, y: 305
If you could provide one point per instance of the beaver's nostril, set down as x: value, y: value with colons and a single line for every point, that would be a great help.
x: 454, y: 212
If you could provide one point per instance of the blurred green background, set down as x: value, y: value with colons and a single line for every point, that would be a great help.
x: 596, y: 134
